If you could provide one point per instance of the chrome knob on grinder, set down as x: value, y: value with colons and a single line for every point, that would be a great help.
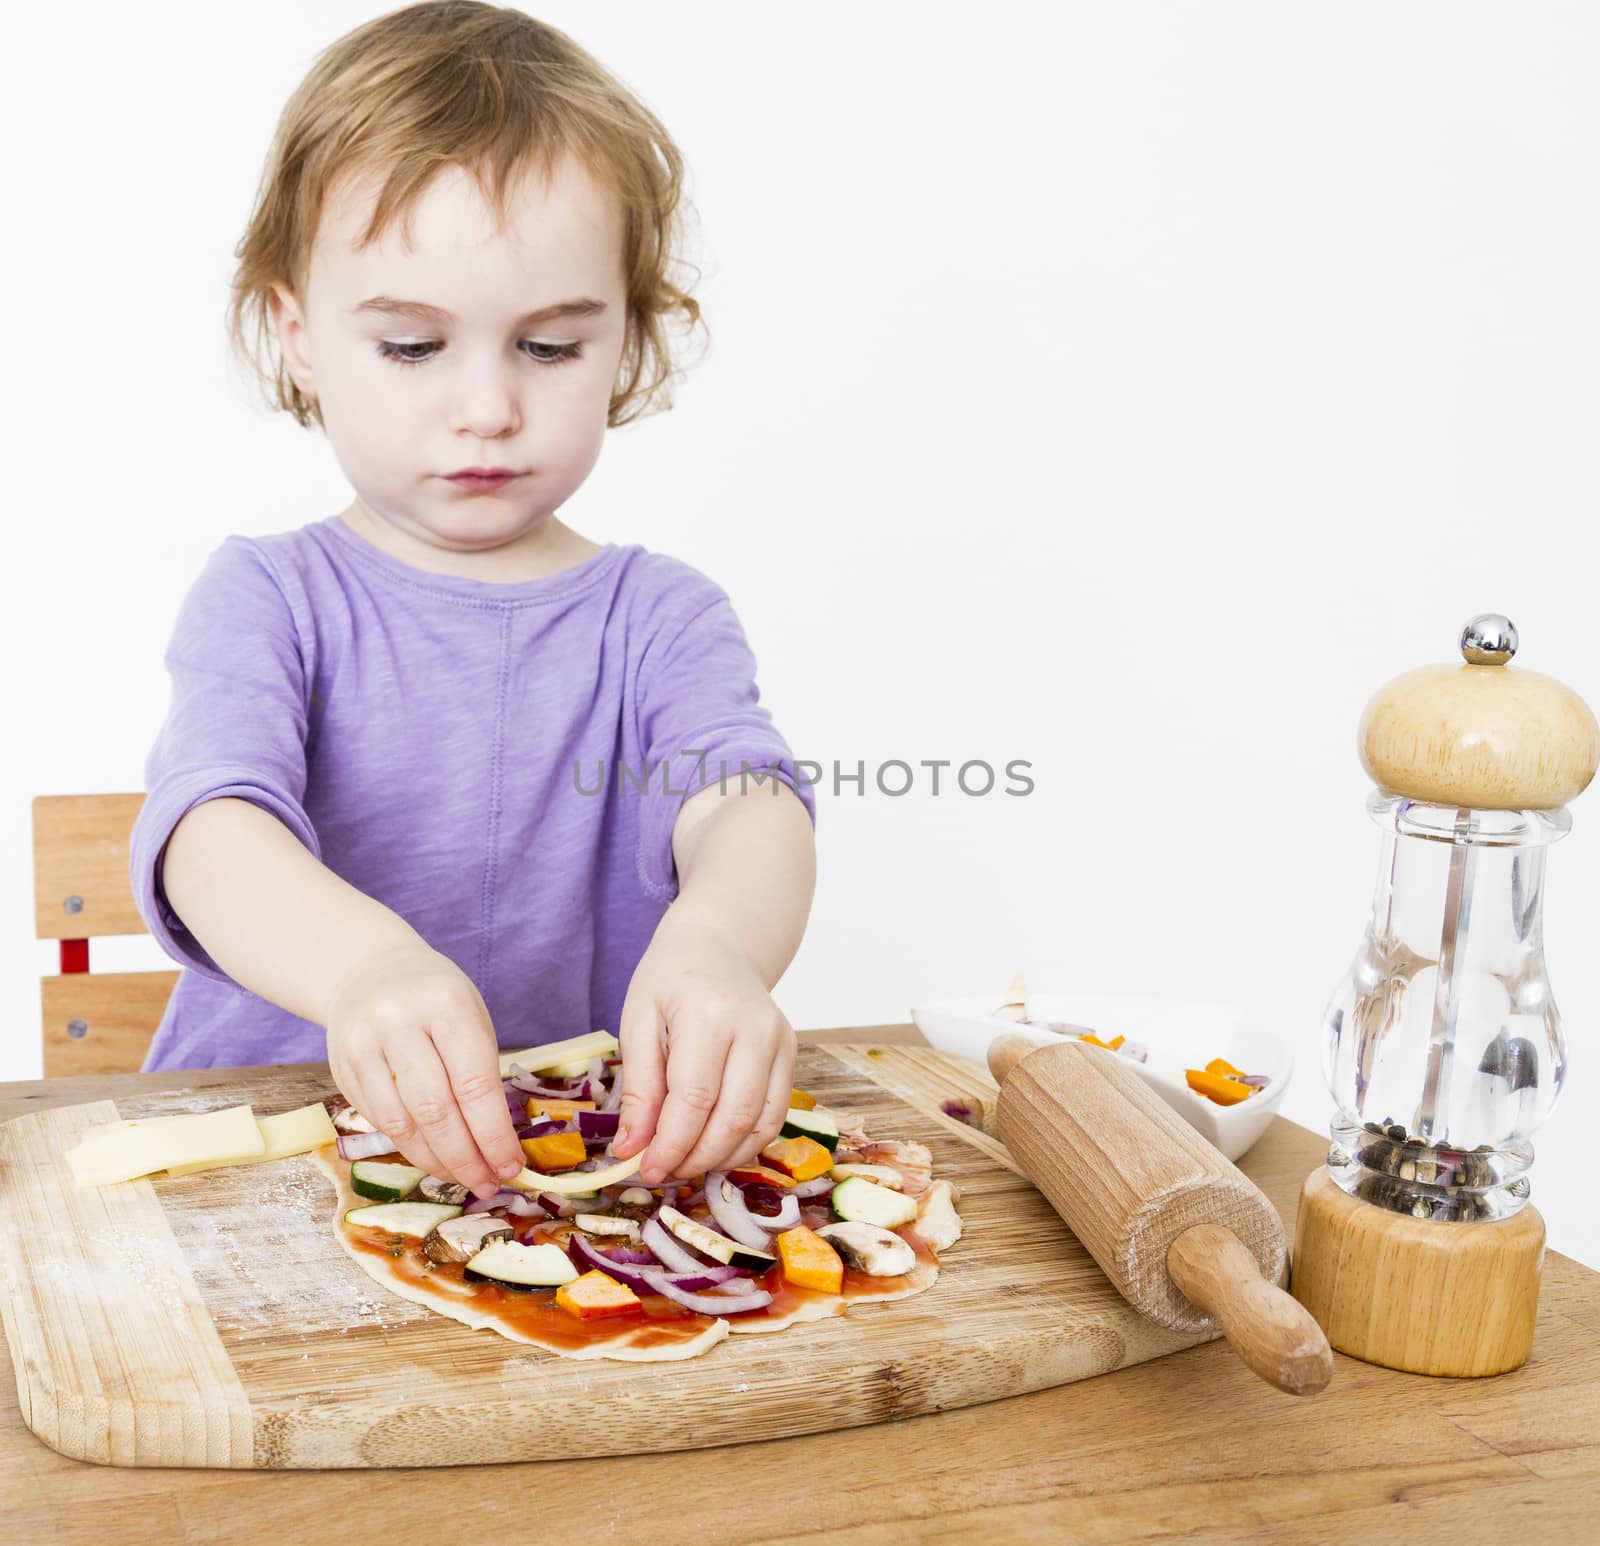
x: 1184, y: 1235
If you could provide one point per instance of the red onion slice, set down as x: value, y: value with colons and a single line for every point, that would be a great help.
x: 590, y: 1255
x: 728, y: 1209
x: 668, y: 1251
x: 501, y: 1199
x: 360, y: 1146
x: 787, y: 1216
x: 613, y: 1100
x: 598, y: 1124
x: 705, y: 1304
x: 818, y: 1186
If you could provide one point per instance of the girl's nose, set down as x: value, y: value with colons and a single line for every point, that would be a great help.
x: 488, y: 406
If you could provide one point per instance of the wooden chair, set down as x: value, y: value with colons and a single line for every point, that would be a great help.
x: 81, y: 891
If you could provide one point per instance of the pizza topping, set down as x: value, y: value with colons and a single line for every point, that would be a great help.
x: 583, y: 1183
x: 809, y: 1261
x: 814, y: 1123
x: 937, y: 1220
x: 759, y: 1175
x: 912, y: 1160
x: 403, y: 1218
x: 721, y: 1248
x: 588, y: 1254
x: 359, y: 1146
x: 437, y: 1189
x: 594, y: 1296
x: 385, y: 1183
x: 802, y: 1158
x: 729, y: 1209
x: 800, y: 1100
x: 859, y: 1200
x: 607, y: 1224
x: 556, y: 1151
x: 346, y: 1119
x: 884, y: 1175
x: 637, y: 1197
x: 880, y: 1253
x: 521, y: 1267
x: 660, y: 1282
x: 461, y: 1238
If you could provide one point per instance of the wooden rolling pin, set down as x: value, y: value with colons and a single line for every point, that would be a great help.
x: 1185, y: 1236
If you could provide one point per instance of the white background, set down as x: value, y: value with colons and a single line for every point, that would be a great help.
x: 1129, y: 388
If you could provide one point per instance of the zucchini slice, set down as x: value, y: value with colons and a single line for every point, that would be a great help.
x: 858, y: 1200
x: 817, y: 1125
x: 522, y: 1267
x: 383, y: 1180
x: 403, y: 1218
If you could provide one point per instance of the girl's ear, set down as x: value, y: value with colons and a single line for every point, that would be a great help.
x: 289, y: 323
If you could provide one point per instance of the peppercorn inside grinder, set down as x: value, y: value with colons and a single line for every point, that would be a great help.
x: 1416, y: 1246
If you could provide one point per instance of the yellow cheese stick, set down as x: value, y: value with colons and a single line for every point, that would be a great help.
x: 573, y: 1181
x: 538, y: 1060
x: 289, y: 1132
x: 141, y: 1148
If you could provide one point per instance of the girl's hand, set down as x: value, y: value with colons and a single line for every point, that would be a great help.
x: 707, y: 1058
x: 411, y: 1047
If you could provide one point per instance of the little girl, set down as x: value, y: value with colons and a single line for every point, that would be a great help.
x: 423, y: 778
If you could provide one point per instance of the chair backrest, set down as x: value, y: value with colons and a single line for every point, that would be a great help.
x: 92, y: 1024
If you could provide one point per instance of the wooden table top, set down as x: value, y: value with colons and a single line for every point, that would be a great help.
x: 1191, y: 1446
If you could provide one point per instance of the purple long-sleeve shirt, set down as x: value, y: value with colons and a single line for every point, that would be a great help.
x: 470, y: 754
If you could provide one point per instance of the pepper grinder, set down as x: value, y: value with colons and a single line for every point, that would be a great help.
x: 1416, y: 1246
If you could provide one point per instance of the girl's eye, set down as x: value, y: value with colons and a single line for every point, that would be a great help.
x: 545, y: 354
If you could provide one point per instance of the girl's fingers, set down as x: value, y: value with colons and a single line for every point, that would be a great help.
x: 740, y: 1107
x: 694, y: 1080
x: 373, y: 1094
x: 425, y: 1090
x: 474, y: 1071
x: 779, y: 1087
x: 644, y: 1075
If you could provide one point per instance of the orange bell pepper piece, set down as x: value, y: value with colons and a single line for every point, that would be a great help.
x: 809, y: 1261
x: 1218, y: 1087
x: 802, y: 1158
x: 1224, y: 1067
x: 595, y: 1295
x: 799, y: 1100
x: 1110, y: 1046
x: 555, y: 1151
x: 562, y: 1110
x: 749, y: 1174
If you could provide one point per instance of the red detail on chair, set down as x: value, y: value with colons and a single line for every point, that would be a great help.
x: 74, y: 955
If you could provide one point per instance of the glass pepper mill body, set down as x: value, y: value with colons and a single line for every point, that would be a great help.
x: 1415, y: 1245
x: 1443, y: 1046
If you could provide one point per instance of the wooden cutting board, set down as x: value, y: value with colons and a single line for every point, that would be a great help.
x: 213, y: 1320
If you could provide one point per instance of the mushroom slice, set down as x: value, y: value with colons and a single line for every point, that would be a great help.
x: 637, y: 1197
x: 607, y: 1224
x: 461, y: 1238
x: 437, y: 1189
x: 937, y: 1220
x: 880, y: 1253
x: 348, y: 1120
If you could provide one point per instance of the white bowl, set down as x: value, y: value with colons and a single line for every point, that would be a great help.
x: 1179, y: 1035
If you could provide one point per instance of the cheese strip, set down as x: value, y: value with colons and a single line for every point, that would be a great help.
x: 552, y: 1055
x: 574, y: 1181
x: 140, y: 1148
x: 289, y: 1132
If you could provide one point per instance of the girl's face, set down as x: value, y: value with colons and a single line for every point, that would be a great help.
x: 470, y: 349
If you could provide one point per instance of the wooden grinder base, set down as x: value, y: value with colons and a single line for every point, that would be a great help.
x: 1429, y: 1298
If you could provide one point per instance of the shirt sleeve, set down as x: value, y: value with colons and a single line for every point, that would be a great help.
x: 235, y: 726
x: 701, y: 721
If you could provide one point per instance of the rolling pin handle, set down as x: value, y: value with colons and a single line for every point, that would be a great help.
x: 1005, y: 1052
x: 1271, y: 1331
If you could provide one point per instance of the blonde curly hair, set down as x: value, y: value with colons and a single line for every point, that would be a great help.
x: 492, y: 90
